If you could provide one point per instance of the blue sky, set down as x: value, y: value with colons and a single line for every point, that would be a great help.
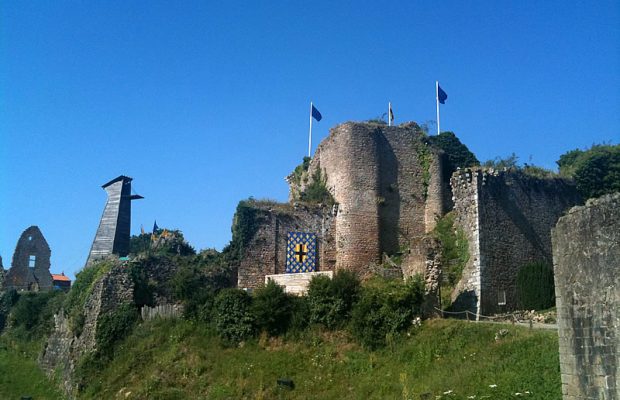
x: 206, y: 103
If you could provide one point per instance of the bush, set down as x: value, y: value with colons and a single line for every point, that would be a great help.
x: 197, y: 282
x: 114, y: 326
x: 234, y: 321
x: 454, y: 248
x: 143, y: 287
x: 7, y: 300
x: 331, y: 300
x: 535, y: 286
x: 385, y: 308
x: 300, y: 313
x: 316, y: 191
x: 33, y: 313
x: 272, y: 308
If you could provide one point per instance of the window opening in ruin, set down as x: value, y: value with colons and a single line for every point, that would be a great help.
x: 31, y: 261
x: 501, y: 298
x: 29, y: 237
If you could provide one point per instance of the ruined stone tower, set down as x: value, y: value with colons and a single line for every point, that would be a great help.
x: 388, y: 186
x: 114, y: 229
x: 31, y: 263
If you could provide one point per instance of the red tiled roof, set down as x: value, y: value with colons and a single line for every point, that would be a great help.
x: 60, y: 277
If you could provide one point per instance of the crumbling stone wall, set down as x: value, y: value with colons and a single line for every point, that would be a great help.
x: 265, y: 252
x: 387, y: 183
x: 586, y: 257
x: 21, y: 276
x: 64, y: 348
x: 507, y: 218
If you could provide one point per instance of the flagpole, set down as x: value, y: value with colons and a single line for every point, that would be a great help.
x: 310, y: 134
x: 389, y: 113
x: 437, y: 99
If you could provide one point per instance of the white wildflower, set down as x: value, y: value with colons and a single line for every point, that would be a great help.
x: 493, y: 386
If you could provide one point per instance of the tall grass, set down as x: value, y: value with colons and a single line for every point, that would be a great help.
x: 183, y: 359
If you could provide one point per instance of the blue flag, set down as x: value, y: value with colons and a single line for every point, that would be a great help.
x: 441, y: 95
x: 316, y: 114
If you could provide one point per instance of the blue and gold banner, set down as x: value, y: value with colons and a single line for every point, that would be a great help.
x: 301, y: 252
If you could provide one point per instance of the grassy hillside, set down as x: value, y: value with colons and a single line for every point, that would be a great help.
x: 451, y: 359
x: 20, y: 374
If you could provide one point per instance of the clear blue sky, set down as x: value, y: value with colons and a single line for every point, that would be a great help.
x: 206, y: 103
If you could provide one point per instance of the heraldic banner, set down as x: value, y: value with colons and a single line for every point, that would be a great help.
x: 301, y: 252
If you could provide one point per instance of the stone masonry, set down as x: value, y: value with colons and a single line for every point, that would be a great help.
x: 507, y: 217
x: 265, y: 253
x: 30, y: 267
x: 586, y: 258
x: 388, y: 185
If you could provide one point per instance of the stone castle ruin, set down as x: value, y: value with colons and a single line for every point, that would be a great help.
x: 112, y: 236
x: 507, y: 218
x: 388, y: 187
x: 586, y: 257
x: 30, y: 267
x: 388, y: 190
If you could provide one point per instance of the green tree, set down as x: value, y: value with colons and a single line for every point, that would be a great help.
x: 596, y: 171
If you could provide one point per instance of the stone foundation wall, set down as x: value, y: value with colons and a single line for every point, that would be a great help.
x: 507, y: 217
x: 586, y: 258
x: 265, y: 253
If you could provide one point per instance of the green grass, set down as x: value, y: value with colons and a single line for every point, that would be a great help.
x: 20, y: 374
x: 181, y: 360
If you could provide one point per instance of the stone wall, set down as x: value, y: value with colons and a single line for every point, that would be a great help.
x: 21, y: 276
x: 388, y: 185
x: 586, y: 258
x: 507, y: 218
x: 65, y: 348
x: 265, y: 252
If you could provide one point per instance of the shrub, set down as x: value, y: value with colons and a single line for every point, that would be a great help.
x: 300, y: 313
x: 385, y: 308
x: 7, y: 300
x: 454, y: 248
x: 536, y: 290
x: 234, y: 321
x: 272, y: 308
x: 331, y: 300
x: 197, y: 282
x: 114, y: 326
x: 316, y: 191
x: 33, y: 313
x: 143, y: 287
